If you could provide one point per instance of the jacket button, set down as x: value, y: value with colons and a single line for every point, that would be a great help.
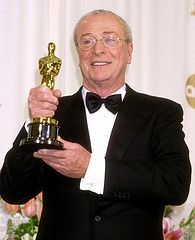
x: 98, y: 218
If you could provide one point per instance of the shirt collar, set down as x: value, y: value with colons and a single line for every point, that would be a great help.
x: 121, y: 91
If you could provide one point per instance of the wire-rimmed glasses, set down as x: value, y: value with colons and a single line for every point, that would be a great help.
x: 87, y: 42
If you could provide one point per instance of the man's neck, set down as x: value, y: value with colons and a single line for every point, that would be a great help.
x: 103, y: 90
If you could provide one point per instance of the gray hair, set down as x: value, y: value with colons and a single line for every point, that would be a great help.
x: 124, y: 24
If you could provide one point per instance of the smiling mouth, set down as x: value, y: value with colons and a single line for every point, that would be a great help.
x: 100, y: 63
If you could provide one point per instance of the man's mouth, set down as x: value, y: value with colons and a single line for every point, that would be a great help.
x: 100, y: 63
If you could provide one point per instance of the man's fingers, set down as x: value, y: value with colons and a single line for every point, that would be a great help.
x: 48, y: 153
x: 42, y: 101
x: 44, y: 94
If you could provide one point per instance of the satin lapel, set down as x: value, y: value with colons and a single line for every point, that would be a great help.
x: 129, y: 120
x: 74, y: 124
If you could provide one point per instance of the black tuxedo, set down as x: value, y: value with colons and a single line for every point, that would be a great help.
x: 147, y: 167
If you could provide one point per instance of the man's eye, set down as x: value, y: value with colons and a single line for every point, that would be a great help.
x: 87, y: 41
x: 110, y: 40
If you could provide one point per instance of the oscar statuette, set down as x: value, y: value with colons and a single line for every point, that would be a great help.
x: 43, y: 131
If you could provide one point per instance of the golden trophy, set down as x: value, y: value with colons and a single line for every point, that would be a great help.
x: 43, y: 131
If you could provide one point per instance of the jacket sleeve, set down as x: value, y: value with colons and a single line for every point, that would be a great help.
x: 20, y: 176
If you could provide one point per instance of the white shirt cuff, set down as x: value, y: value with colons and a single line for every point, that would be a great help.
x: 26, y: 124
x: 94, y: 177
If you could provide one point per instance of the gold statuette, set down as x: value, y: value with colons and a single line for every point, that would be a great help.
x: 43, y: 131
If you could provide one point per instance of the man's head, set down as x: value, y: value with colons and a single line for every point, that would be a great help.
x: 124, y: 24
x: 104, y: 44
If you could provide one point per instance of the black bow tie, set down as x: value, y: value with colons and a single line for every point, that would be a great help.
x: 94, y: 102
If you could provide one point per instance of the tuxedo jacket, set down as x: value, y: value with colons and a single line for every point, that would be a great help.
x: 146, y: 167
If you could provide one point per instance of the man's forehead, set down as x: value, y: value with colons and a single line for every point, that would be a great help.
x: 102, y: 22
x: 99, y: 18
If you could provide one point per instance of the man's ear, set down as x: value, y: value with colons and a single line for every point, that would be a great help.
x: 129, y: 52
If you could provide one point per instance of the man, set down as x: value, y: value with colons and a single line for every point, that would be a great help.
x: 118, y: 169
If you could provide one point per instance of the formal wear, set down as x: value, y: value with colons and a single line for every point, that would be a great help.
x: 100, y: 124
x: 146, y: 167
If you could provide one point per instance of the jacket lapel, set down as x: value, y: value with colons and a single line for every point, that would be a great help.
x: 74, y: 126
x: 129, y: 120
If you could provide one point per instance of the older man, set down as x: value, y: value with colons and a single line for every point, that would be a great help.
x: 124, y: 155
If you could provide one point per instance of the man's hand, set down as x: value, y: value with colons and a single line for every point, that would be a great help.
x: 42, y: 101
x: 71, y: 162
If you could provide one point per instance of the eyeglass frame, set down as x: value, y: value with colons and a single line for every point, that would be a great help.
x: 95, y: 39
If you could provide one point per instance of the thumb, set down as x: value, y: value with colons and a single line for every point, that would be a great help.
x: 57, y: 93
x: 67, y: 144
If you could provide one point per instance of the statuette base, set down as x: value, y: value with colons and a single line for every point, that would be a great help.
x: 42, y: 133
x: 33, y: 145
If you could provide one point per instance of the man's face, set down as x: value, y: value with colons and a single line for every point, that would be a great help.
x: 101, y: 65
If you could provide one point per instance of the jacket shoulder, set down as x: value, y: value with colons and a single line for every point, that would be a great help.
x: 159, y: 104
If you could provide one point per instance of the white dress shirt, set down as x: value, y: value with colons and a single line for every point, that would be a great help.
x: 100, y: 125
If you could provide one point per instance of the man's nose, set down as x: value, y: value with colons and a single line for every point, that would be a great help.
x: 99, y: 47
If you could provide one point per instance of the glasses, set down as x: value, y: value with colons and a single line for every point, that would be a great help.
x: 86, y: 43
